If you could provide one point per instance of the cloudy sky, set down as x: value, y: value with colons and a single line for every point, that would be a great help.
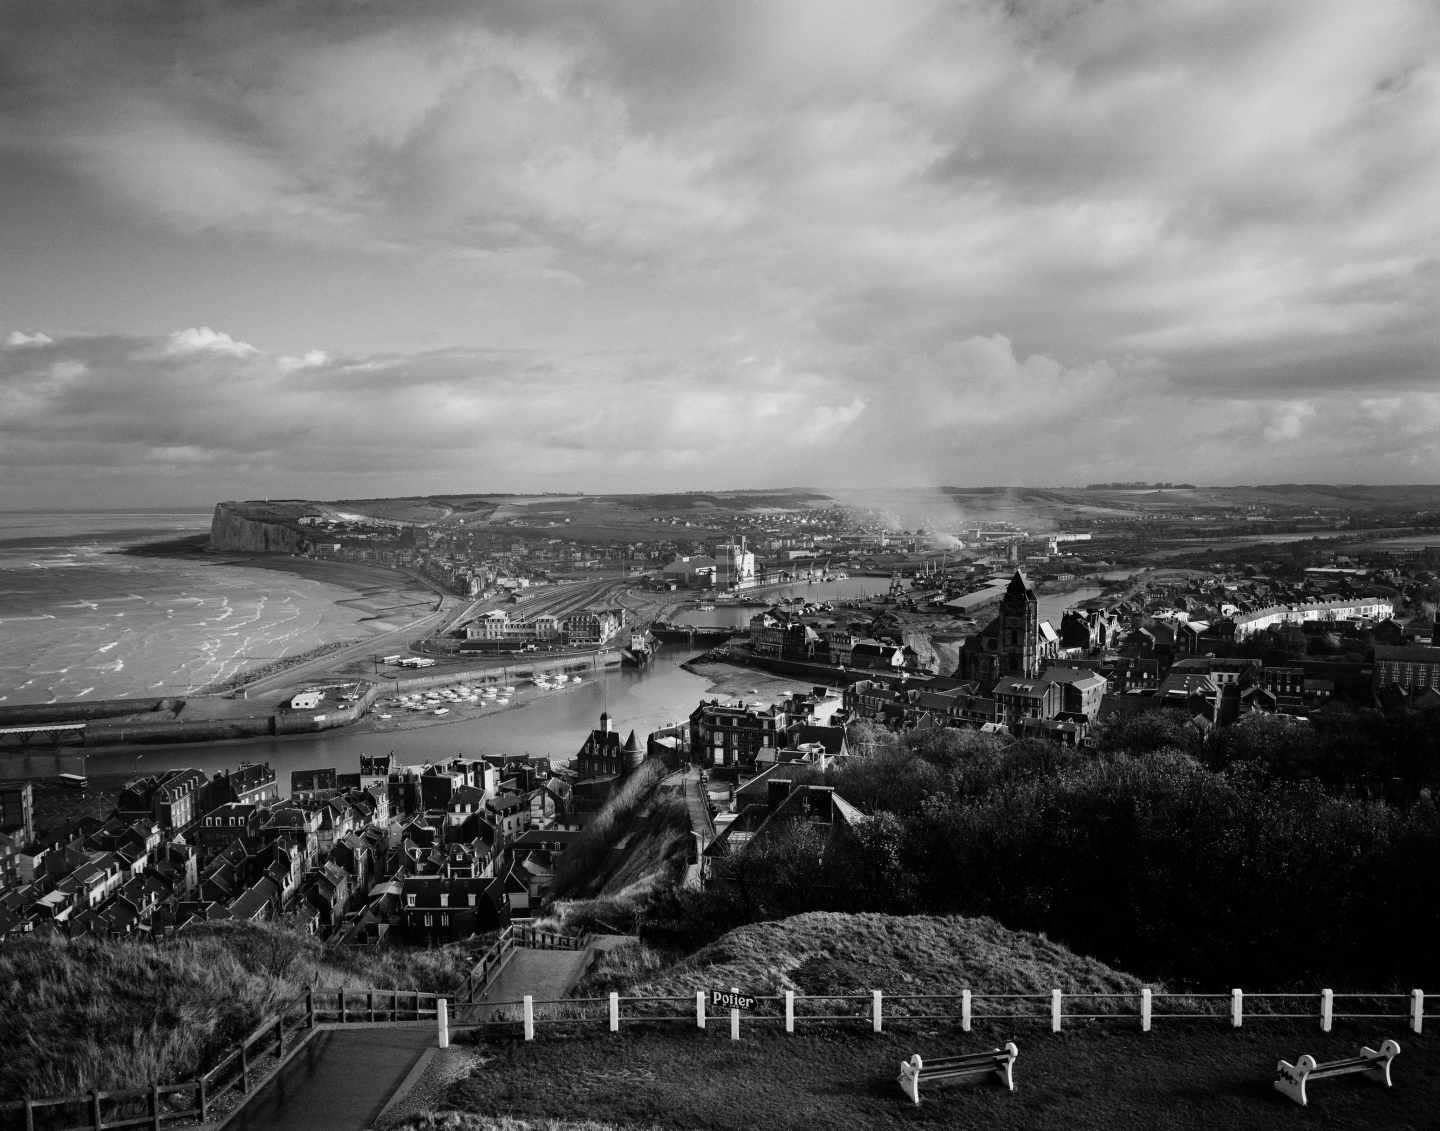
x: 350, y: 248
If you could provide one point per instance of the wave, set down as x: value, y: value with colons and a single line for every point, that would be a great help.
x: 80, y: 604
x: 18, y: 620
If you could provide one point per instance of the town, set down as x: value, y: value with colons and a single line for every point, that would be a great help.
x: 947, y: 720
x: 415, y: 854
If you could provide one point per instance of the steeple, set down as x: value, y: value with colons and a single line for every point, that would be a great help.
x: 1019, y: 629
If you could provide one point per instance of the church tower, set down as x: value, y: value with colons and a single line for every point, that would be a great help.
x: 1019, y: 629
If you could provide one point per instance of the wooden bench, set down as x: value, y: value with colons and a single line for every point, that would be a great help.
x: 968, y: 1066
x: 1290, y: 1079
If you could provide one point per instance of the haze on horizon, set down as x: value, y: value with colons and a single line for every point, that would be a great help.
x: 375, y: 249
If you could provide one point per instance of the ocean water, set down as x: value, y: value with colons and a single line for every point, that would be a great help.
x: 80, y: 620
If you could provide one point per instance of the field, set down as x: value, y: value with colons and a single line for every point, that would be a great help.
x: 1181, y: 1076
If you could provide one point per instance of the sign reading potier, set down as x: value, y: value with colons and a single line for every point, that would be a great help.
x: 719, y: 999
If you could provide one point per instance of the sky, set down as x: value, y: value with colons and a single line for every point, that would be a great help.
x: 352, y: 248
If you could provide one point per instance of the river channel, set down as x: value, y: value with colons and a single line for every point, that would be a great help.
x: 552, y: 724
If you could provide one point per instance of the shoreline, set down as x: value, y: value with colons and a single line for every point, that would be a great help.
x: 380, y: 599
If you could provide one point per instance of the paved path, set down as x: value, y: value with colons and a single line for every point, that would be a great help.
x: 697, y: 801
x: 340, y: 1081
x: 546, y: 975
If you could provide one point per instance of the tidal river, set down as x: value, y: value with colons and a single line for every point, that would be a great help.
x: 553, y: 725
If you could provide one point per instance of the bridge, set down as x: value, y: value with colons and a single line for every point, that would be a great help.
x: 57, y: 733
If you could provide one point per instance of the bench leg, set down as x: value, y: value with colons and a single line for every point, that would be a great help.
x: 910, y: 1079
x: 1290, y: 1079
x: 1380, y: 1070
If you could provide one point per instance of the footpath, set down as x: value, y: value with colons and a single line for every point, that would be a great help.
x: 341, y: 1079
x: 346, y: 1078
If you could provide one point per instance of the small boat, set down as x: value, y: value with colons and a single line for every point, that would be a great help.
x: 503, y: 701
x: 382, y: 716
x: 442, y: 710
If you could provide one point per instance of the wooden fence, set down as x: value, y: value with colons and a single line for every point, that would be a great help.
x: 190, y: 1101
x: 875, y: 1008
x: 238, y: 1070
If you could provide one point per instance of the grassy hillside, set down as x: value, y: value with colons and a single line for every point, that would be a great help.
x: 1097, y: 1077
x: 635, y: 847
x: 101, y: 1014
x: 826, y: 953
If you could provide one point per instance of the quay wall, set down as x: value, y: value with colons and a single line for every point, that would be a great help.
x: 815, y: 673
x: 104, y: 725
x: 19, y: 714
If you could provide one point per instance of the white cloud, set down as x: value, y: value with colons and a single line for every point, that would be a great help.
x: 19, y: 339
x: 202, y: 339
x: 310, y: 359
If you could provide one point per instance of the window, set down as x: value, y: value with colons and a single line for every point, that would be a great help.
x: 409, y: 901
x: 444, y: 899
x: 444, y: 920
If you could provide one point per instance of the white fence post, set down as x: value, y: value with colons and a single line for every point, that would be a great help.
x: 735, y: 1018
x: 442, y: 1021
x: 1327, y: 1009
x: 529, y: 1003
x: 1237, y: 1008
x: 1145, y: 1008
x: 876, y: 1011
x: 1417, y: 1010
x: 965, y: 1010
x: 789, y: 1011
x: 1055, y: 1011
x: 614, y: 1011
x: 699, y: 1009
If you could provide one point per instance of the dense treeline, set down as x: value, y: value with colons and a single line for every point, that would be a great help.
x: 1202, y: 863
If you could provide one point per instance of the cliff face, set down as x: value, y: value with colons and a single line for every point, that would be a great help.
x: 232, y: 529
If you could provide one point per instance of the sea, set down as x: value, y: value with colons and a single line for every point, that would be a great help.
x: 80, y: 619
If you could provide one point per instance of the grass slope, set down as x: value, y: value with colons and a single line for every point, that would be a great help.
x: 105, y: 1014
x: 634, y: 847
x: 824, y: 952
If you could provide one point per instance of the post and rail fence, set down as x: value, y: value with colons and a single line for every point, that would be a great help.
x: 875, y: 1008
x: 192, y: 1101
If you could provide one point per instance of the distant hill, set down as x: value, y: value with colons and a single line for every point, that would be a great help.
x: 273, y: 525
